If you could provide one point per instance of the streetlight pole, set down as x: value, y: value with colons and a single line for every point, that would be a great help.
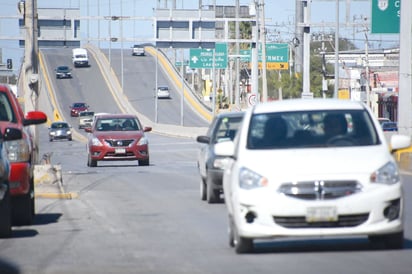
x: 121, y: 42
x: 255, y: 54
x: 263, y: 45
x: 336, y: 88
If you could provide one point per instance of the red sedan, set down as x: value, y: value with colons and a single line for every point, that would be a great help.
x: 76, y: 108
x: 117, y: 137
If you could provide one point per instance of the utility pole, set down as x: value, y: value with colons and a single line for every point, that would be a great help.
x: 336, y: 87
x: 405, y: 70
x: 306, y: 51
x: 255, y: 53
x: 237, y: 78
x: 368, y: 100
x: 31, y: 52
x: 297, y: 40
x: 263, y: 46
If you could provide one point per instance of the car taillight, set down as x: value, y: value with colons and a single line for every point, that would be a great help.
x: 17, y: 150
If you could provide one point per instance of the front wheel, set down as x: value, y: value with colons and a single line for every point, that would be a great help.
x: 213, y: 195
x: 90, y: 161
x: 202, y: 189
x: 22, y: 209
x: 390, y: 241
x: 144, y: 162
x: 242, y: 245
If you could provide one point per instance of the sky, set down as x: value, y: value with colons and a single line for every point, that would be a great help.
x: 280, y: 19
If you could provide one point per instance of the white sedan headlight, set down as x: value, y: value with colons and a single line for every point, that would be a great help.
x: 249, y: 179
x: 387, y: 174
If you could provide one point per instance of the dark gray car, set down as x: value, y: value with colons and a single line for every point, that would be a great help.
x: 60, y: 130
x: 63, y: 72
x: 223, y: 127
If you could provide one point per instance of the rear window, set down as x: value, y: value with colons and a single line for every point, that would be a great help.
x: 226, y: 129
x: 86, y: 113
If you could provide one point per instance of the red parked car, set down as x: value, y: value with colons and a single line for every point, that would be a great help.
x: 117, y: 137
x: 21, y: 153
x: 76, y: 108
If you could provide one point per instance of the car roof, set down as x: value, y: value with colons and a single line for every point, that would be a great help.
x: 59, y: 122
x: 115, y: 115
x: 306, y: 105
x: 231, y: 114
x: 389, y: 124
x: 79, y: 103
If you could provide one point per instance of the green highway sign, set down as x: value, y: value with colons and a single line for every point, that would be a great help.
x: 179, y: 64
x: 277, y: 56
x: 203, y: 58
x: 386, y: 16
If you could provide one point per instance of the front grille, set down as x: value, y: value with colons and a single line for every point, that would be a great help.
x: 320, y: 190
x: 119, y: 143
x: 300, y: 221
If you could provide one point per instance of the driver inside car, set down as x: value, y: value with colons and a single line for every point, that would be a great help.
x: 335, y: 125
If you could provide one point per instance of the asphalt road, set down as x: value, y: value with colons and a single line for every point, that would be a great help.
x: 127, y: 218
x: 132, y: 219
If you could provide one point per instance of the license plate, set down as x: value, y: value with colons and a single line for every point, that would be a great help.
x: 120, y: 151
x: 321, y: 214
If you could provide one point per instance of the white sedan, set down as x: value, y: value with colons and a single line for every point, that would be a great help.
x: 163, y: 93
x: 305, y: 168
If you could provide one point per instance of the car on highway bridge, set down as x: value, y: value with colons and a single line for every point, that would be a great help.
x: 63, y: 72
x: 60, y: 130
x: 85, y: 119
x: 312, y: 168
x: 78, y: 107
x: 117, y: 137
x: 223, y: 127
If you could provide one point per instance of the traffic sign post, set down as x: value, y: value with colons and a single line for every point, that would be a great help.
x: 205, y: 59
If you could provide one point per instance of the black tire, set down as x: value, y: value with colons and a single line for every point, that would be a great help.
x: 144, y: 162
x: 242, y: 245
x: 5, y: 213
x: 33, y: 203
x: 213, y: 195
x: 389, y: 241
x: 231, y: 233
x: 22, y: 211
x: 203, y: 194
x: 90, y: 161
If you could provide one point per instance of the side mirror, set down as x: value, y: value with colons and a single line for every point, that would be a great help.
x: 34, y: 118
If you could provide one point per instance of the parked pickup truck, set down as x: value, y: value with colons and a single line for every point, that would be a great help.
x: 21, y: 153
